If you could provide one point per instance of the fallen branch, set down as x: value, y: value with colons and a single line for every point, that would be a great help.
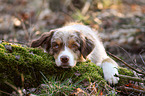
x: 125, y: 63
x: 131, y: 78
x: 130, y: 89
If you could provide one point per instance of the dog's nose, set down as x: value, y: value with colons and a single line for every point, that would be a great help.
x: 64, y: 59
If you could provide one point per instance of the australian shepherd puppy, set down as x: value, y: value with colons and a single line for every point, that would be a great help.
x: 75, y: 43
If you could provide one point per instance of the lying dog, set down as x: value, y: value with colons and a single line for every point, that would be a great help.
x: 74, y: 43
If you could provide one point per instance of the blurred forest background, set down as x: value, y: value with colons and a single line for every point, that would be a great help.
x: 121, y: 23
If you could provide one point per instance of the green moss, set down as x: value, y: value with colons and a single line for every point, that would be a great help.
x: 31, y: 61
x: 124, y: 71
x: 1, y: 46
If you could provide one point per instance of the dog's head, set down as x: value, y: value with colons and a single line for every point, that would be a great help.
x: 67, y: 47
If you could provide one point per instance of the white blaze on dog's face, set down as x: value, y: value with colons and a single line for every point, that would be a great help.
x: 67, y: 47
x: 65, y: 58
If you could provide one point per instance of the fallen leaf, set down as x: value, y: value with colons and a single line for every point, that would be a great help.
x: 79, y: 92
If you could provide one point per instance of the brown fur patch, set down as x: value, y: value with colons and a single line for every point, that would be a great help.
x: 43, y: 41
x: 109, y: 60
x: 87, y: 47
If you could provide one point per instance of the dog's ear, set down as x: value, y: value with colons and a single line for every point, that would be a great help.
x: 43, y: 41
x: 87, y: 47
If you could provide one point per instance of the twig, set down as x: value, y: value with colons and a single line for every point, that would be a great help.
x: 25, y: 30
x: 142, y: 61
x: 130, y: 89
x: 125, y: 63
x: 128, y: 55
x: 12, y: 86
x: 86, y: 7
x: 15, y: 88
x: 22, y: 78
x: 5, y: 92
x: 131, y: 78
x: 141, y: 57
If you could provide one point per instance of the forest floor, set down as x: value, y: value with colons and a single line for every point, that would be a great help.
x: 122, y: 30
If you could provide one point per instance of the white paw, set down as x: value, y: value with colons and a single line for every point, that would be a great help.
x: 109, y: 71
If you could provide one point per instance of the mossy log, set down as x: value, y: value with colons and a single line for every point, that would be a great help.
x: 17, y: 61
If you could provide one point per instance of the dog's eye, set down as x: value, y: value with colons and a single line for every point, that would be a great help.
x: 74, y: 45
x: 56, y: 46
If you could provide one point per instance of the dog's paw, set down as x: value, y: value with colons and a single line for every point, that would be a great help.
x: 109, y: 71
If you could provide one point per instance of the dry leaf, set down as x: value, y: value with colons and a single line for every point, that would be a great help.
x: 79, y: 92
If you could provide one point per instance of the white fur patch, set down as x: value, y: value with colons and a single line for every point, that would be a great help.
x: 66, y: 52
x: 109, y: 71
